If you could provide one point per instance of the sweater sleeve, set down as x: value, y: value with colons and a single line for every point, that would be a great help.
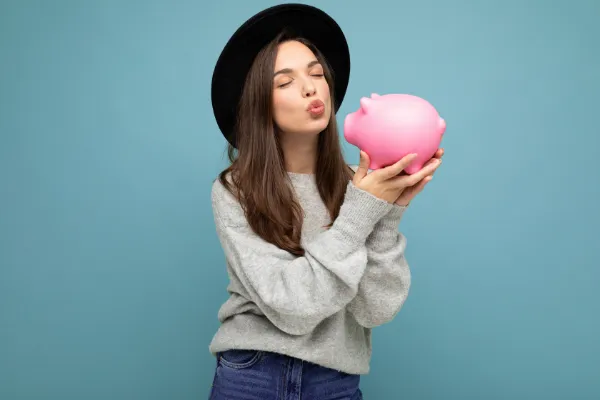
x: 297, y: 293
x: 385, y: 284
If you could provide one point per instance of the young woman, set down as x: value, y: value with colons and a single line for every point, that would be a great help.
x: 313, y: 251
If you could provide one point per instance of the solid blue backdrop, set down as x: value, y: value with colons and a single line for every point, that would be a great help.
x: 111, y: 274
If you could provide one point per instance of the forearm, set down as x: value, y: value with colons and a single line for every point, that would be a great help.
x: 384, y: 286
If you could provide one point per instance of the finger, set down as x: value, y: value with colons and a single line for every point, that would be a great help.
x: 363, y: 166
x: 409, y: 193
x: 437, y: 161
x: 431, y: 161
x: 418, y: 188
x: 414, y: 190
x: 428, y: 169
x: 395, y: 169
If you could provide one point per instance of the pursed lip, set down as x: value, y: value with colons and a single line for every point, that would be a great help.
x: 315, y: 104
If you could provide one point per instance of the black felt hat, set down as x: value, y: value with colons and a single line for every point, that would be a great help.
x: 300, y: 20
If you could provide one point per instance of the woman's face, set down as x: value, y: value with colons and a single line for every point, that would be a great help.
x: 301, y: 102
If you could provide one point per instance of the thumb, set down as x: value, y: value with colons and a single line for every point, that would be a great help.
x: 363, y: 166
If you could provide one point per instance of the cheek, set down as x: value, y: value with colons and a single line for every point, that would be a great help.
x: 282, y: 102
x: 324, y: 90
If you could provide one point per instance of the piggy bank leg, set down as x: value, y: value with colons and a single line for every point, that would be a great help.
x: 412, y: 168
x: 374, y: 166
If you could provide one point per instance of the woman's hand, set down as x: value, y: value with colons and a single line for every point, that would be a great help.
x: 389, y: 183
x: 409, y: 193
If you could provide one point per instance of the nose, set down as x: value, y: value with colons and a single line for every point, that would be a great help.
x: 308, y: 90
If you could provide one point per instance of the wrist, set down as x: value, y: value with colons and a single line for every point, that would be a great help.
x: 389, y: 224
x: 397, y: 211
x: 360, y: 212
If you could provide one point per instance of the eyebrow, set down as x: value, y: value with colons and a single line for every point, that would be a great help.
x: 289, y: 70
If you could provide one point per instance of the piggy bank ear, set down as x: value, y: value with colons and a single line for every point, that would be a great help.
x: 374, y: 95
x: 365, y: 104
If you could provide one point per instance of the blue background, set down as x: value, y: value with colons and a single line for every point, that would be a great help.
x: 111, y: 274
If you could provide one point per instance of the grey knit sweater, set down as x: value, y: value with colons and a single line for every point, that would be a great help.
x: 320, y: 307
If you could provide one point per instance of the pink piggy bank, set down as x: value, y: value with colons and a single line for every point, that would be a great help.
x: 391, y: 126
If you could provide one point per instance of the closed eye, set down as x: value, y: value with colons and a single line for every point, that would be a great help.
x: 290, y: 82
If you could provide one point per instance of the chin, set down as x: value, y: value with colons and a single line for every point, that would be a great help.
x: 321, y: 122
x: 314, y: 127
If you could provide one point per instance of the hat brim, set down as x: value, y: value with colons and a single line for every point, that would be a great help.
x: 238, y: 55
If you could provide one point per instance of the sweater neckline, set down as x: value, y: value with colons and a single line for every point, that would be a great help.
x: 302, y: 178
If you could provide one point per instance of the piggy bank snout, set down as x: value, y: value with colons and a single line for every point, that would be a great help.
x: 349, y: 128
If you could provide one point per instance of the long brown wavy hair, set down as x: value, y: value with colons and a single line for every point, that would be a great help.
x: 257, y: 175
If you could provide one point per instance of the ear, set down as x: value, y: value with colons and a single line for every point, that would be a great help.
x: 374, y: 95
x: 365, y: 104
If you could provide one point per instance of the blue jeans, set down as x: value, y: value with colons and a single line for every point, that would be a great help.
x: 261, y: 375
